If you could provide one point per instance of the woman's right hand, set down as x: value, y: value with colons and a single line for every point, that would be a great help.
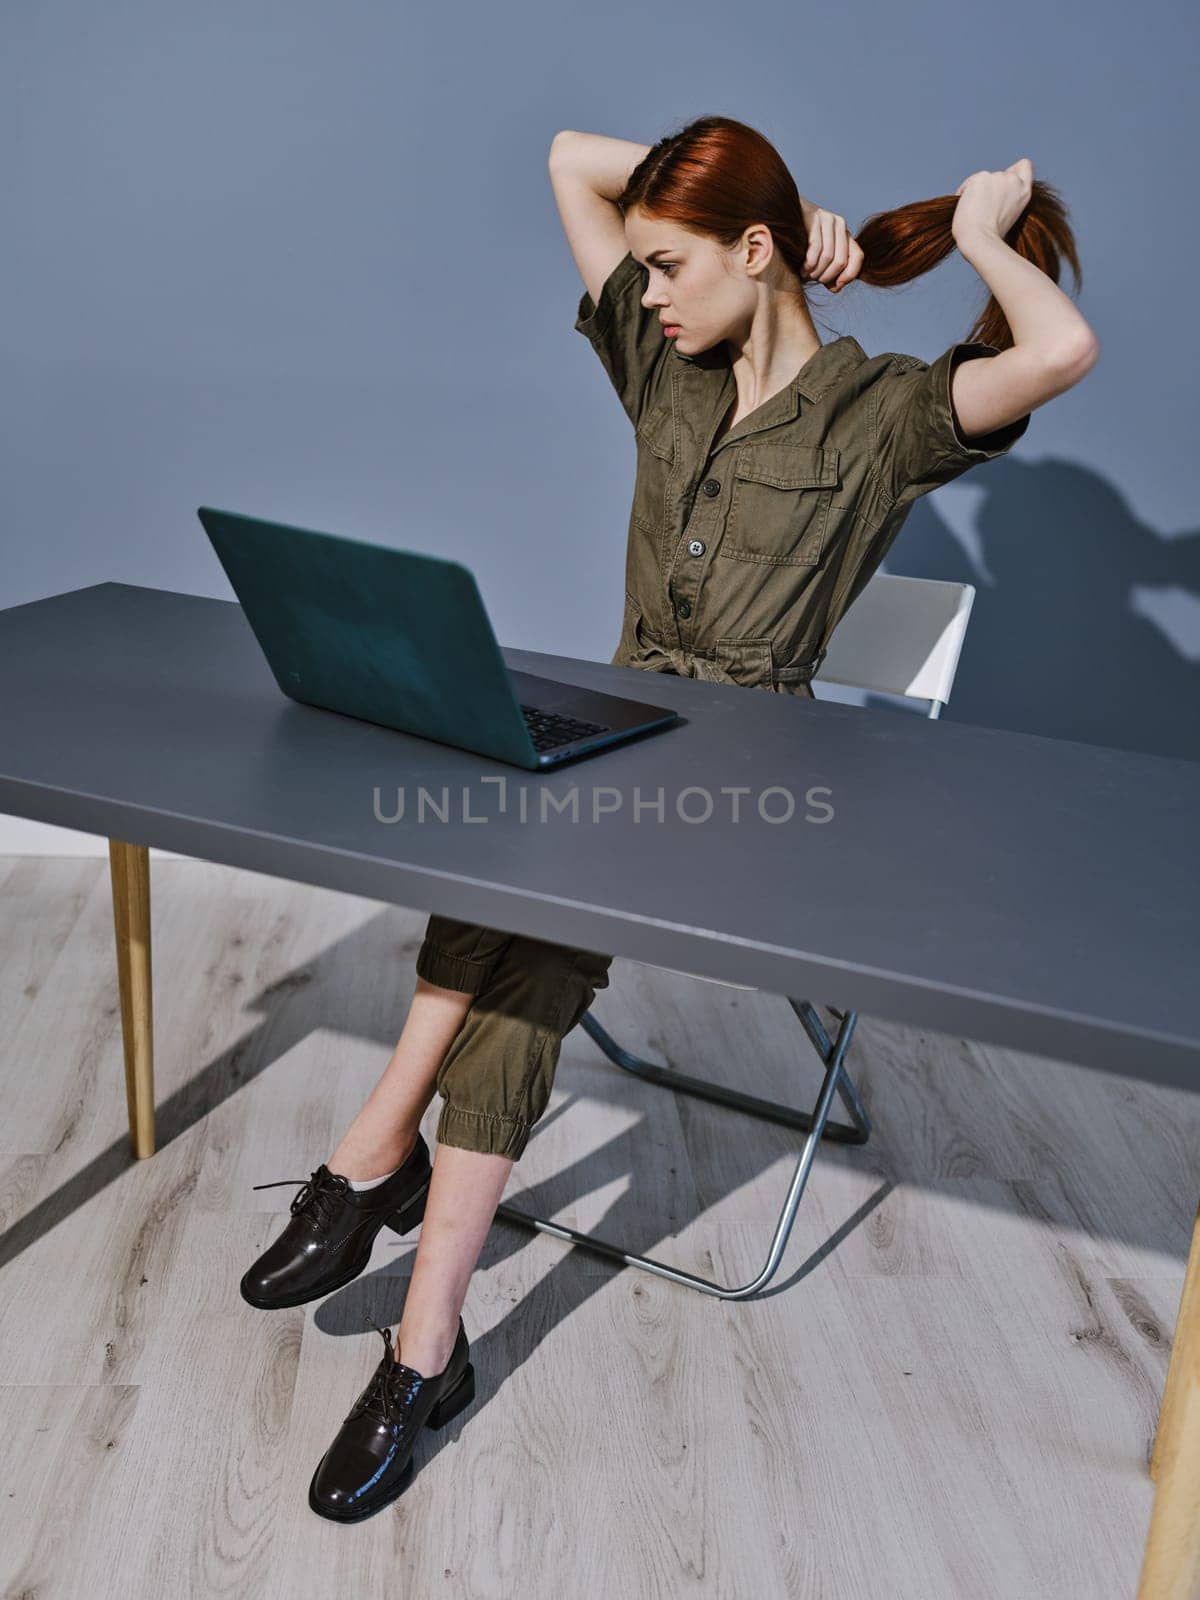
x: 834, y: 257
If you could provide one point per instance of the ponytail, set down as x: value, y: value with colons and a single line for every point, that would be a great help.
x: 900, y: 245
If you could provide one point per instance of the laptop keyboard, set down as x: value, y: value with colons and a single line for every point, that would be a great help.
x: 548, y: 730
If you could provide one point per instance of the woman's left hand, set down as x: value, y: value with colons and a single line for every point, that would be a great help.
x: 834, y: 257
x: 990, y: 202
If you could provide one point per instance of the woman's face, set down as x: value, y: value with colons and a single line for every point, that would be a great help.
x: 694, y: 284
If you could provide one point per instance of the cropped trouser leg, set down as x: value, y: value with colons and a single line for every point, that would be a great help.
x: 497, y: 1076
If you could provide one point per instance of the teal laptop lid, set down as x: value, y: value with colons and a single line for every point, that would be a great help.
x: 392, y: 636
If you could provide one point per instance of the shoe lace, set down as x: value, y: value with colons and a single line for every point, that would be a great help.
x: 318, y: 1191
x: 392, y: 1386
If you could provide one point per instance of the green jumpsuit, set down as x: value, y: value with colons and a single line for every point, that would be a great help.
x: 741, y: 559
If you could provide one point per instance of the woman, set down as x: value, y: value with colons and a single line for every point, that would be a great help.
x: 773, y: 473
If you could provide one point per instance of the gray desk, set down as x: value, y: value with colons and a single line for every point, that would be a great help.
x: 1025, y: 891
x: 1030, y: 892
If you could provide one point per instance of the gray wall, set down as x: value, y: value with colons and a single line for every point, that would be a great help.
x: 303, y: 262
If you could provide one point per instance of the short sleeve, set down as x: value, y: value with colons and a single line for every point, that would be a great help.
x: 628, y: 338
x: 917, y: 444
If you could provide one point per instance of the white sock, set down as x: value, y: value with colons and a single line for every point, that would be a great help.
x: 372, y: 1183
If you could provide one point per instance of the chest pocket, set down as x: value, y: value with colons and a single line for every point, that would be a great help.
x: 779, y: 503
x: 655, y: 464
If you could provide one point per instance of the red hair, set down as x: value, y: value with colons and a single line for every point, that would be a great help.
x: 717, y: 176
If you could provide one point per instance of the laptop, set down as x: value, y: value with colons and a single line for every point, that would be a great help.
x: 401, y: 638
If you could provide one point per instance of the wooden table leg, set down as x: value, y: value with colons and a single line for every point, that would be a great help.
x: 1171, y: 1564
x: 129, y: 865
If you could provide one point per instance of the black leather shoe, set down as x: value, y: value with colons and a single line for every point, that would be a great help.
x: 328, y: 1241
x: 370, y: 1462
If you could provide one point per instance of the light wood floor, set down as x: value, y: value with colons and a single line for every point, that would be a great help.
x: 950, y: 1392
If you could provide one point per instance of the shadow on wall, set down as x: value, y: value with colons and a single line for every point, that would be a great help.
x: 1086, y: 623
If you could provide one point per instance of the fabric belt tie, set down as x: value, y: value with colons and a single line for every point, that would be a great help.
x: 741, y: 661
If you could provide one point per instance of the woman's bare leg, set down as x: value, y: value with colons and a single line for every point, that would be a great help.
x: 465, y: 1187
x: 464, y: 1192
x: 384, y: 1132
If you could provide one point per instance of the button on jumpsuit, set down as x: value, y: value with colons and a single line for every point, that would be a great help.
x: 741, y: 559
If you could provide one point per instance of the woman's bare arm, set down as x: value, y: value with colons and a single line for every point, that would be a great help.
x: 587, y: 173
x: 1053, y: 346
x: 603, y: 163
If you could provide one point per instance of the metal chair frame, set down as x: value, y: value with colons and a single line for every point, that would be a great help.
x: 815, y: 1123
